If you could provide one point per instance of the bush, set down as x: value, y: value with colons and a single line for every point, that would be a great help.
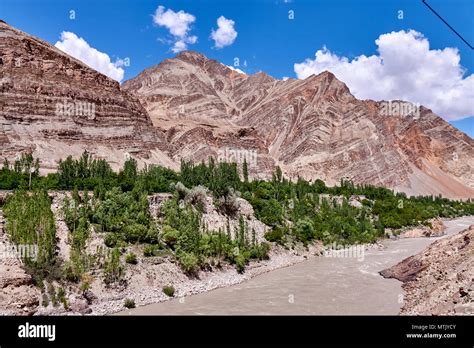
x: 71, y: 272
x: 61, y: 296
x: 189, y: 263
x: 180, y: 189
x: 170, y: 235
x: 275, y: 235
x: 270, y: 212
x: 304, y: 230
x: 149, y: 250
x: 135, y: 232
x: 131, y: 258
x: 228, y: 204
x: 240, y: 262
x: 113, y: 270
x: 260, y: 252
x: 129, y: 303
x: 169, y: 290
x: 197, y: 196
x: 111, y: 240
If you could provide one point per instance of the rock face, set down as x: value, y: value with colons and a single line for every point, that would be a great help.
x: 54, y: 106
x: 440, y: 279
x: 313, y: 128
x: 436, y: 229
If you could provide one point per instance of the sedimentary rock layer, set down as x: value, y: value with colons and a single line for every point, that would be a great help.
x: 54, y: 105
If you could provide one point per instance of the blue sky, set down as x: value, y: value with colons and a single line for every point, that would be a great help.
x: 268, y: 40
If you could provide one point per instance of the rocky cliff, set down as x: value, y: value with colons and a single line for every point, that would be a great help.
x: 54, y: 105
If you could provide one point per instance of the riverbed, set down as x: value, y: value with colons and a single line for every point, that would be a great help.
x: 349, y: 285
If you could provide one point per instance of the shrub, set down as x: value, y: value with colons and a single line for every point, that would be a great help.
x: 275, y: 235
x: 61, y: 296
x: 71, y: 272
x: 189, y: 263
x: 169, y: 290
x: 131, y: 258
x: 170, y: 235
x: 113, y: 270
x: 270, y: 212
x: 129, y: 303
x: 149, y: 250
x: 111, y: 240
x: 260, y: 252
x: 304, y: 230
x: 365, y: 202
x: 180, y: 189
x: 135, y: 232
x: 197, y: 196
x: 228, y: 204
x: 240, y: 262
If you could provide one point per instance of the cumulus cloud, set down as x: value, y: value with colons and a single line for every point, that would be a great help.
x: 77, y: 47
x: 225, y: 34
x: 405, y: 68
x: 179, y: 25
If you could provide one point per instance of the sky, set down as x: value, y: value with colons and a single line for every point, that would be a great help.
x: 383, y: 50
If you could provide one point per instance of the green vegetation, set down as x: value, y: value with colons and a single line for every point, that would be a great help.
x: 116, y: 205
x: 131, y: 258
x: 168, y: 290
x: 113, y: 269
x: 129, y: 303
x: 30, y: 223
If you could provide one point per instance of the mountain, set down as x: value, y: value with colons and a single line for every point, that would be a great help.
x: 313, y: 128
x: 192, y: 107
x: 54, y: 106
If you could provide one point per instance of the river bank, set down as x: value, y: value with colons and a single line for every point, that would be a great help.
x: 439, y: 280
x: 319, y: 285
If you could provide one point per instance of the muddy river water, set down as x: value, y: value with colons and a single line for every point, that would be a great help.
x: 322, y: 285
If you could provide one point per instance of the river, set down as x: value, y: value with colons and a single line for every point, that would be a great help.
x: 320, y: 286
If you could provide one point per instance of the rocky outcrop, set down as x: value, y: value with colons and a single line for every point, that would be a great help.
x: 213, y: 220
x: 54, y: 105
x: 440, y: 279
x: 313, y: 128
x: 434, y: 228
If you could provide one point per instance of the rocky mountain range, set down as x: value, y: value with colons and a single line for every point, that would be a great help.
x: 191, y: 107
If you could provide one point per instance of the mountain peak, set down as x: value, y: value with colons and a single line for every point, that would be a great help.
x: 191, y: 56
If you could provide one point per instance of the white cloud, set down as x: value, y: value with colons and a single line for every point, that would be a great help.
x: 405, y: 68
x: 79, y: 48
x: 225, y: 34
x: 179, y: 24
x: 235, y: 69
